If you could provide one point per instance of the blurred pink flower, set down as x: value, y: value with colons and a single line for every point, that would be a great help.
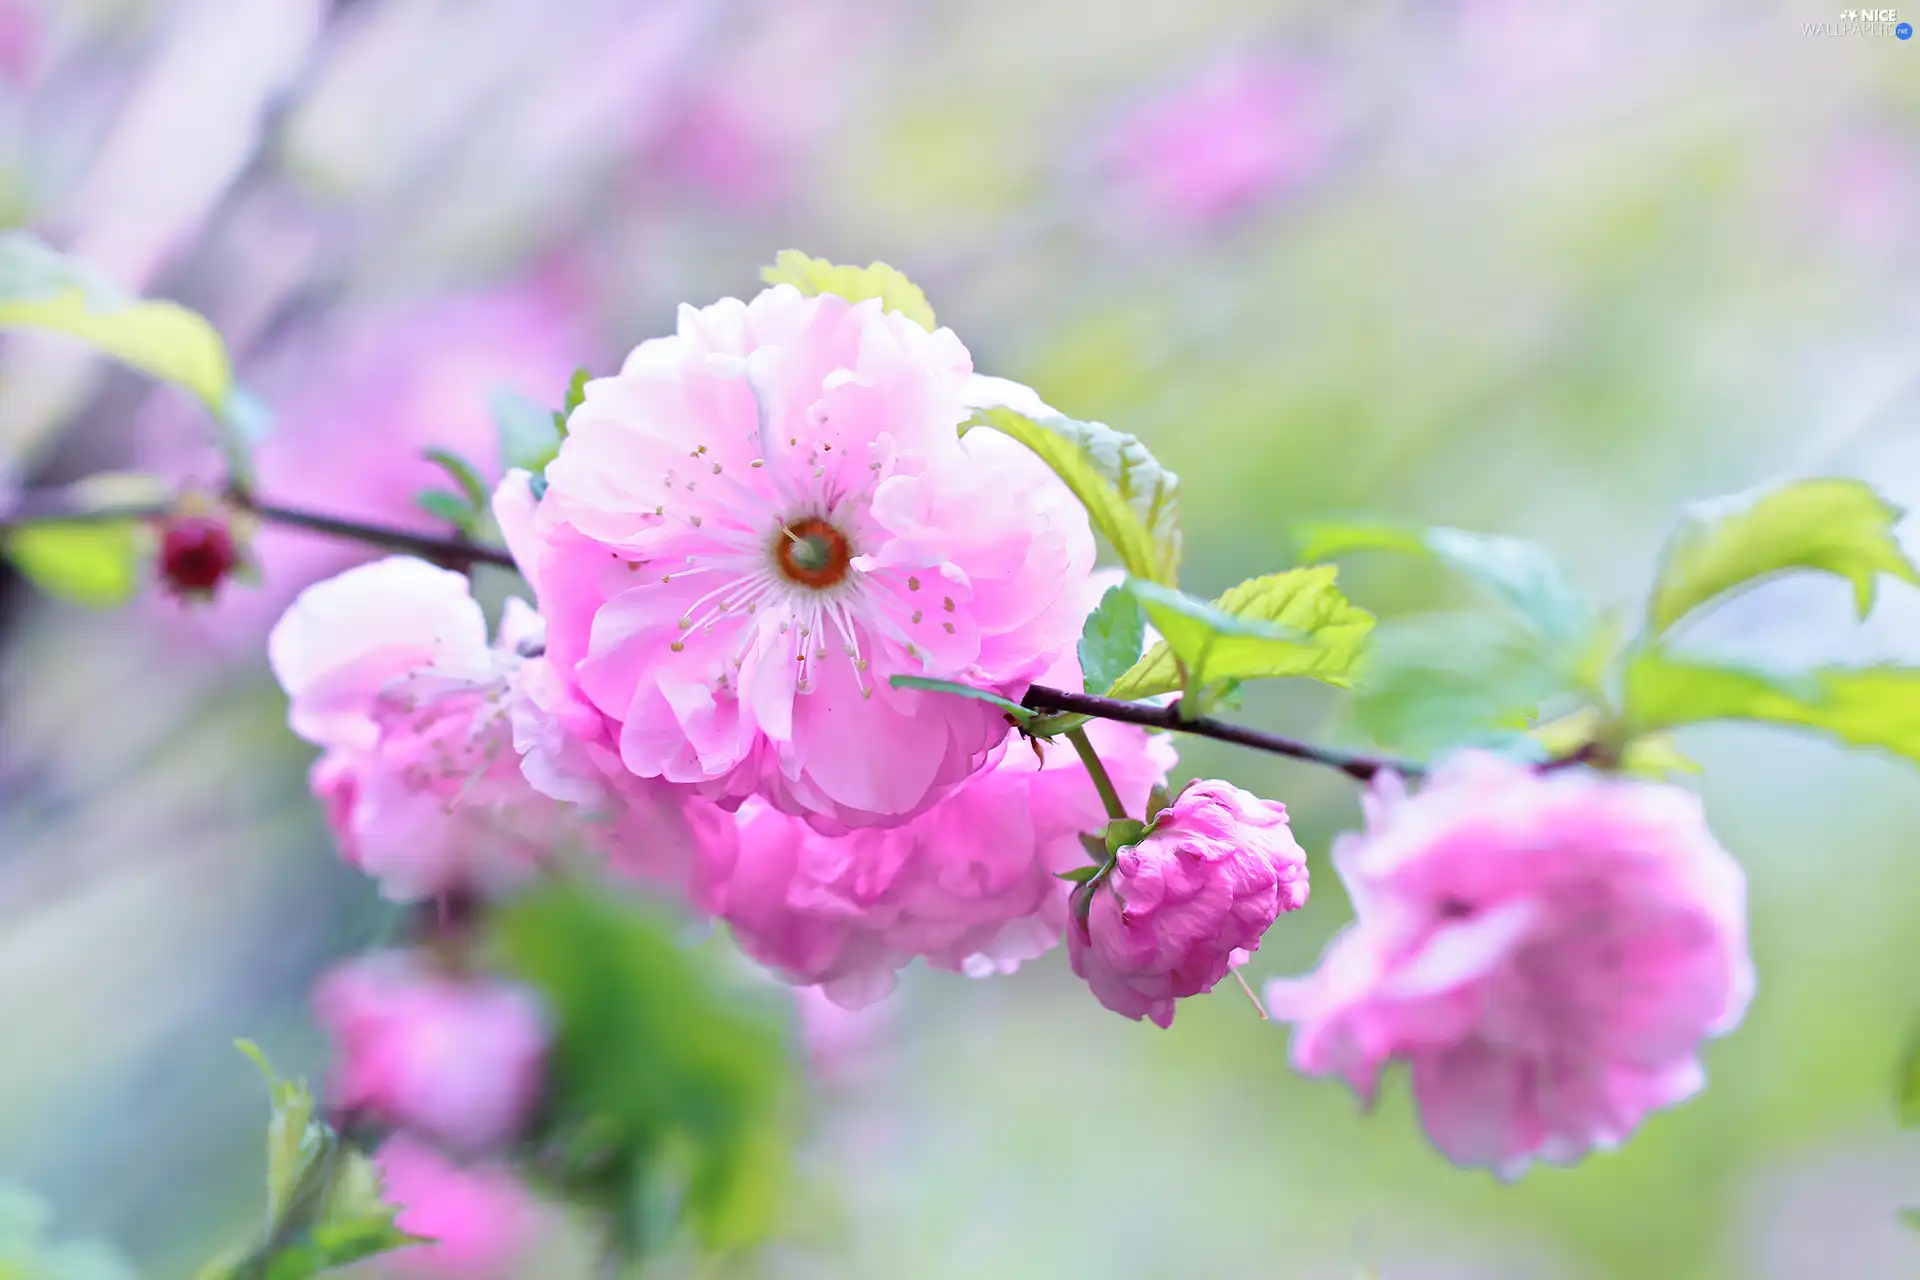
x: 969, y: 885
x: 1872, y: 191
x: 837, y: 1040
x: 1217, y: 869
x: 715, y: 142
x: 457, y: 1059
x: 423, y: 724
x: 761, y: 519
x: 479, y: 1217
x: 1214, y: 146
x: 19, y: 39
x: 361, y: 403
x: 1545, y: 951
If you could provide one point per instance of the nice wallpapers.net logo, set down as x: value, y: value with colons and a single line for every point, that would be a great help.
x: 1862, y: 22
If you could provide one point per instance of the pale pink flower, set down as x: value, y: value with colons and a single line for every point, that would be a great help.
x: 1546, y: 952
x: 20, y: 39
x: 761, y: 519
x: 423, y: 725
x: 1217, y: 869
x: 352, y: 416
x: 838, y: 1041
x: 458, y: 1059
x: 970, y: 885
x: 1216, y: 145
x: 479, y: 1217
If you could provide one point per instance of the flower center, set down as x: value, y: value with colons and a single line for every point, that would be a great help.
x: 812, y: 553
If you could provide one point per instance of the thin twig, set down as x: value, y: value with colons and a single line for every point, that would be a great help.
x: 1359, y: 767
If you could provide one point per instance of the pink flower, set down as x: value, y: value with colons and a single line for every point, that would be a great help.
x: 387, y: 667
x: 479, y: 1217
x: 1213, y: 147
x: 459, y: 1060
x: 970, y: 885
x: 366, y: 396
x: 761, y: 519
x: 1545, y: 951
x: 1216, y: 869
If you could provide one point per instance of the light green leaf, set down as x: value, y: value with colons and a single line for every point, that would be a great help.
x: 1830, y: 525
x: 928, y: 683
x: 856, y: 284
x: 1131, y: 499
x: 1877, y: 706
x: 1206, y: 646
x: 43, y: 289
x: 296, y: 1138
x: 94, y: 564
x: 1907, y: 1093
x: 1911, y: 1217
x: 1444, y: 680
x: 1312, y: 631
x: 1651, y: 755
x: 1524, y: 575
x: 529, y: 433
x: 1110, y: 642
x: 441, y: 505
x: 463, y: 474
x: 576, y: 396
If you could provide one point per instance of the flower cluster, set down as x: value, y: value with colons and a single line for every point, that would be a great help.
x: 748, y: 532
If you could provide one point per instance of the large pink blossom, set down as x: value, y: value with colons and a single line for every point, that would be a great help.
x: 352, y: 415
x: 970, y: 885
x: 479, y: 1217
x: 424, y: 727
x: 1189, y: 901
x: 458, y: 1059
x: 765, y: 516
x: 1546, y: 952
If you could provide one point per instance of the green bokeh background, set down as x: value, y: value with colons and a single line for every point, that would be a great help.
x: 1558, y: 275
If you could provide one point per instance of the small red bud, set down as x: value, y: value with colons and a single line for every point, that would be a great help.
x: 197, y: 553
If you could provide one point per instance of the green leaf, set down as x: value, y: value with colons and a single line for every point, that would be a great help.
x: 1131, y: 499
x: 1157, y: 799
x: 43, y: 289
x: 1012, y: 708
x: 1522, y: 574
x: 576, y: 395
x: 1110, y: 642
x: 94, y: 564
x: 296, y: 1139
x: 1911, y: 1217
x: 1907, y: 1092
x: 463, y: 473
x: 1284, y: 624
x: 1831, y: 525
x: 529, y: 433
x: 441, y: 505
x: 1877, y: 706
x: 1444, y: 680
x: 813, y: 276
x: 1096, y: 848
x: 1079, y: 875
x: 677, y: 1077
x: 1122, y: 832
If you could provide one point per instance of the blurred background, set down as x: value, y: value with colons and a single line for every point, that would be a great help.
x: 1540, y: 269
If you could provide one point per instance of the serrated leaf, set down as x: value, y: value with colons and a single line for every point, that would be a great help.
x: 1444, y: 680
x: 1301, y: 625
x: 1836, y: 526
x: 1877, y: 706
x: 813, y: 276
x: 41, y: 288
x: 1111, y: 639
x: 296, y: 1139
x: 932, y: 685
x: 1131, y: 499
x: 1524, y: 575
x: 529, y: 433
x: 441, y: 505
x: 94, y: 564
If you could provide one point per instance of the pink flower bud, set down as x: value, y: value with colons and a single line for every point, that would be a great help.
x: 458, y: 1060
x: 1546, y: 952
x: 1217, y: 868
x: 478, y: 1217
